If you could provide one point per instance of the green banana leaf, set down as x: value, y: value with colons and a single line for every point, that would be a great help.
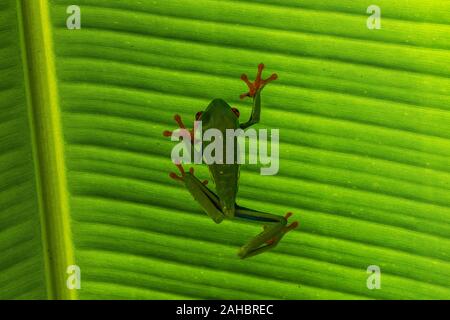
x: 364, y: 119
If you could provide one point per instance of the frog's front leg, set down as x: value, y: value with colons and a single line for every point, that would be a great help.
x: 184, y: 132
x: 207, y: 199
x: 187, y: 134
x: 274, y: 229
x: 254, y: 92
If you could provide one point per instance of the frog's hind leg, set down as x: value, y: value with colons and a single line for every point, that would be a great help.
x: 274, y: 229
x: 207, y: 199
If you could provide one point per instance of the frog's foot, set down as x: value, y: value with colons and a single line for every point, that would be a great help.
x: 183, y: 132
x: 180, y: 177
x: 283, y: 231
x: 291, y: 226
x: 258, y: 84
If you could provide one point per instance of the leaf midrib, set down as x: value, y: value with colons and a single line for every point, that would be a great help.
x: 47, y: 144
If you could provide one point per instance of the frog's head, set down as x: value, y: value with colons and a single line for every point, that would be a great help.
x: 219, y: 115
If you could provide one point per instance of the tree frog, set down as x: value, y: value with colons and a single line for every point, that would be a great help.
x: 222, y: 204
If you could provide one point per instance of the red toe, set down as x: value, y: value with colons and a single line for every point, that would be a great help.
x: 258, y: 84
x: 287, y: 215
x: 292, y: 226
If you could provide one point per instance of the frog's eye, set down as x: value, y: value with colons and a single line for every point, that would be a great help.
x: 236, y: 112
x: 198, y: 115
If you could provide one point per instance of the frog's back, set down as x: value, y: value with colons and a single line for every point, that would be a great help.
x: 218, y: 115
x: 226, y: 178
